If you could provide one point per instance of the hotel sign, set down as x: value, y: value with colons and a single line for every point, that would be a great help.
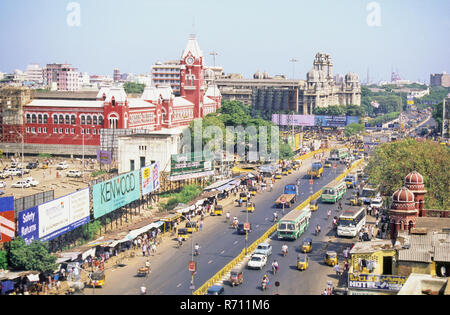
x: 376, y: 282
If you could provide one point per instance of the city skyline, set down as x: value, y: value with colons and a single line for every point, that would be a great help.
x: 98, y: 36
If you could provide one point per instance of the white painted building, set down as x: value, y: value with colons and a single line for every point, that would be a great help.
x: 138, y: 150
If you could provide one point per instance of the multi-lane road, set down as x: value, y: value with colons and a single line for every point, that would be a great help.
x: 220, y: 244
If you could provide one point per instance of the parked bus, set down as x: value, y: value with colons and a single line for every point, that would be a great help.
x: 294, y: 224
x: 351, y: 221
x: 333, y: 191
x: 338, y: 154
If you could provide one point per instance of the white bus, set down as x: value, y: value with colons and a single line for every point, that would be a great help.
x: 351, y: 221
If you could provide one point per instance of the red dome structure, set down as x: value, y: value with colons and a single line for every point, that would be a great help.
x: 415, y: 183
x: 403, y: 212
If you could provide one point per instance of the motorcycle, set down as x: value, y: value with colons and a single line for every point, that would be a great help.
x: 274, y: 269
x: 284, y: 252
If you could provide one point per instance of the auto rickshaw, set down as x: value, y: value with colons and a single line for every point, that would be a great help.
x: 44, y: 166
x: 191, y: 226
x: 243, y: 196
x: 236, y: 277
x: 143, y: 271
x: 307, y: 245
x: 302, y: 261
x: 331, y: 258
x: 250, y: 207
x: 278, y: 175
x: 355, y: 201
x: 284, y: 171
x: 289, y: 169
x: 97, y: 279
x: 218, y: 210
x: 253, y: 191
x: 183, y: 233
x: 314, y: 205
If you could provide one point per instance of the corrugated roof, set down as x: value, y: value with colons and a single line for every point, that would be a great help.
x: 418, y: 254
x: 139, y: 103
x: 180, y: 101
x: 442, y: 253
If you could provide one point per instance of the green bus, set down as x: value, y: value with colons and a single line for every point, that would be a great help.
x: 294, y: 224
x: 338, y: 154
x: 333, y: 191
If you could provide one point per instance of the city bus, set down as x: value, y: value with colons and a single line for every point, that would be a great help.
x: 351, y: 221
x: 368, y: 193
x: 294, y: 224
x: 333, y: 191
x: 338, y: 154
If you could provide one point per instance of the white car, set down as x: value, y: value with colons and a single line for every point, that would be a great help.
x: 62, y: 166
x: 2, y: 184
x: 24, y: 170
x: 21, y: 184
x: 376, y: 203
x: 257, y: 261
x: 32, y: 181
x: 13, y: 171
x: 73, y: 173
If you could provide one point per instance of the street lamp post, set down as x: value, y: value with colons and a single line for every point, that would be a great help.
x: 192, y: 256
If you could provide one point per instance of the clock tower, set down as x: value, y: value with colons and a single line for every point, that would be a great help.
x: 192, y: 83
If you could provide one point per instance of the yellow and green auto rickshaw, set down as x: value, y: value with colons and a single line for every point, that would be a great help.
x: 243, y: 196
x: 307, y: 245
x: 253, y: 191
x: 191, y: 226
x: 183, y: 233
x: 284, y: 171
x: 250, y: 207
x: 97, y: 279
x: 355, y: 200
x: 289, y: 169
x: 302, y: 261
x: 314, y: 204
x: 331, y: 258
x: 218, y: 210
x: 278, y: 175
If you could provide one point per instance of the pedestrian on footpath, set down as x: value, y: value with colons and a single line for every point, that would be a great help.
x: 201, y: 225
x: 144, y: 249
x: 337, y: 269
x: 153, y: 247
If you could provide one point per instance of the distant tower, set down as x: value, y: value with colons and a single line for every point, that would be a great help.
x: 403, y: 212
x: 414, y: 182
x: 116, y: 75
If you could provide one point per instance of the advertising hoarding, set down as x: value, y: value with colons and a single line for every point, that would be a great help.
x: 293, y: 120
x: 190, y: 165
x: 376, y: 282
x: 150, y: 178
x: 64, y: 214
x: 117, y: 192
x: 7, y: 225
x: 104, y: 157
x: 29, y: 224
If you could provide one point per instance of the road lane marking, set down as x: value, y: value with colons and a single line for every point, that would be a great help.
x: 235, y: 242
x: 179, y: 285
x: 209, y: 262
x: 222, y: 252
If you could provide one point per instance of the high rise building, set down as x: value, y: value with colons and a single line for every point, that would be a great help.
x: 34, y: 73
x: 440, y: 79
x: 116, y: 75
x: 167, y: 74
x: 63, y: 76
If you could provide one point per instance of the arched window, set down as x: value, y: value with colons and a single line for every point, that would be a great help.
x: 67, y: 120
x: 88, y: 120
x: 45, y: 119
x: 55, y: 119
x: 100, y: 120
x: 113, y: 121
x: 113, y: 101
x: 61, y: 119
x: 72, y: 119
x: 94, y: 119
x: 104, y: 96
x: 28, y: 118
x: 39, y: 119
x: 83, y: 121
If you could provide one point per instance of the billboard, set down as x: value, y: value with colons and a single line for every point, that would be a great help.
x: 64, y: 214
x: 117, y: 192
x: 104, y: 157
x: 7, y: 225
x: 376, y: 282
x: 150, y: 178
x: 190, y: 165
x: 330, y: 121
x: 28, y: 221
x: 293, y: 120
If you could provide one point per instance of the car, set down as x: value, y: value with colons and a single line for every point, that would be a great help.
x: 13, y: 171
x: 32, y: 165
x: 21, y: 184
x: 264, y: 249
x: 24, y: 170
x: 241, y: 230
x: 215, y: 290
x: 376, y: 203
x: 4, y: 175
x: 2, y: 192
x: 2, y: 184
x: 32, y: 181
x: 62, y: 166
x: 15, y: 164
x: 257, y: 261
x: 73, y: 173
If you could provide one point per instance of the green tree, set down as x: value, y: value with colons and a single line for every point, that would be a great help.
x: 286, y: 152
x: 132, y: 87
x: 437, y: 114
x: 353, y: 129
x: 30, y: 257
x: 3, y: 260
x: 393, y: 161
